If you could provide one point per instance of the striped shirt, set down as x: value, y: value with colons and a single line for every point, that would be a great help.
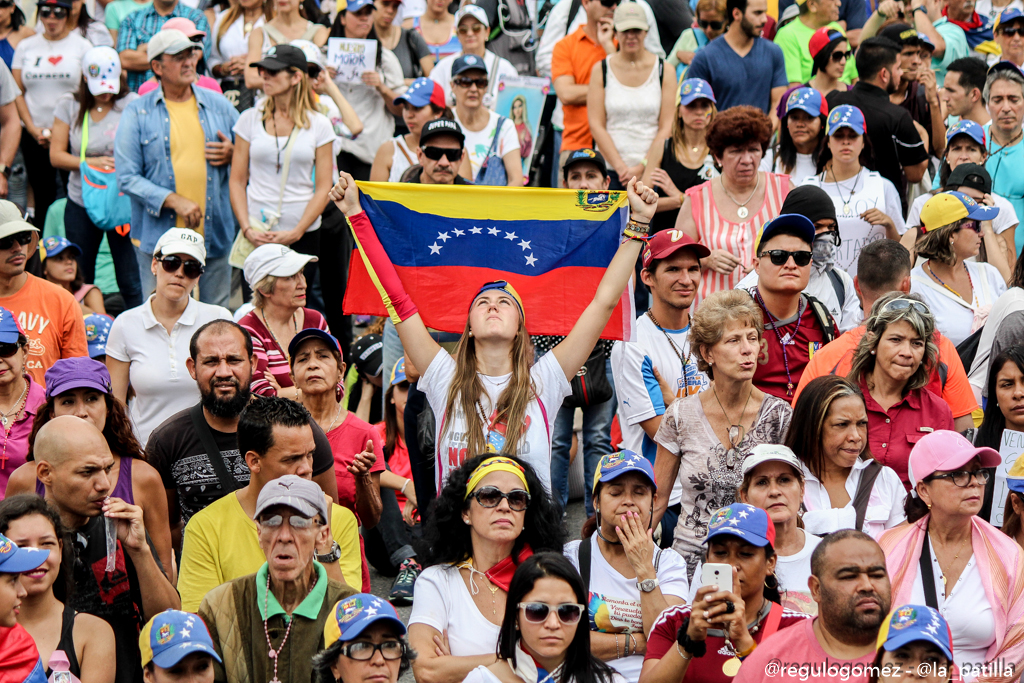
x: 714, y: 232
x: 269, y: 354
x: 139, y: 27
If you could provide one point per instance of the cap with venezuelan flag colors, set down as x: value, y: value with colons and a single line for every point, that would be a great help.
x: 915, y: 623
x: 171, y: 636
x: 354, y: 614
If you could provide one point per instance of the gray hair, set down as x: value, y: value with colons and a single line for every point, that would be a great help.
x: 924, y: 325
x: 1002, y: 75
x: 261, y: 289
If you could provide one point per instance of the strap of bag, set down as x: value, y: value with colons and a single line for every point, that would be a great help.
x: 927, y: 577
x: 860, y: 498
x: 574, y: 9
x: 227, y: 482
x: 604, y: 72
x: 284, y: 165
x: 85, y: 136
x: 838, y: 285
x: 584, y: 559
x: 828, y: 325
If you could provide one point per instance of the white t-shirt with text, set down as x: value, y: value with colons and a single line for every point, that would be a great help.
x: 49, y: 68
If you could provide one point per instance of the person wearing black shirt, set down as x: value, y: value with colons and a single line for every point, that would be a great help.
x: 917, y: 91
x: 440, y: 152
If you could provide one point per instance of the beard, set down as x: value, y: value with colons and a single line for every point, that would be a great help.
x: 748, y: 29
x: 230, y: 407
x: 892, y: 87
x: 845, y: 621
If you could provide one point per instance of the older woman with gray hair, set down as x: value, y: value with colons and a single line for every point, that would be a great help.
x: 365, y: 640
x: 705, y: 438
x: 892, y: 365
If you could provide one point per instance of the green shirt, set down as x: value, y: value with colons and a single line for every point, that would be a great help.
x: 956, y: 47
x: 308, y: 608
x: 794, y: 39
x: 115, y: 12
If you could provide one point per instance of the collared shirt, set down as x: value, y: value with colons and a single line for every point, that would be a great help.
x: 1006, y: 166
x: 575, y: 55
x: 885, y: 503
x: 139, y: 27
x: 142, y: 150
x: 786, y: 347
x: 892, y: 433
x: 308, y: 608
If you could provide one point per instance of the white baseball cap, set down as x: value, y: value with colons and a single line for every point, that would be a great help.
x: 101, y: 68
x: 273, y: 259
x: 12, y: 221
x: 169, y: 41
x: 182, y: 241
x: 768, y: 452
x: 475, y: 11
x: 313, y: 54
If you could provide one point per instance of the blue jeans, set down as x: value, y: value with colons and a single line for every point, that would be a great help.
x: 597, y: 442
x: 214, y: 284
x: 80, y: 229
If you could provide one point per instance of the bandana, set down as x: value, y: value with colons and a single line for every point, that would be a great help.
x: 506, y: 287
x: 495, y: 465
x: 823, y: 251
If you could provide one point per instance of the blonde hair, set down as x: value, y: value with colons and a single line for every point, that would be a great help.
x: 261, y: 289
x: 708, y: 323
x: 937, y: 243
x: 679, y: 131
x: 233, y: 14
x: 301, y: 102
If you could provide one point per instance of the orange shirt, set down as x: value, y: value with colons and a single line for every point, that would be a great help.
x: 835, y: 359
x: 53, y: 321
x: 575, y: 55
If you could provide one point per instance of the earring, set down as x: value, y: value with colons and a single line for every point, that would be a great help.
x: 872, y: 352
x: 929, y: 506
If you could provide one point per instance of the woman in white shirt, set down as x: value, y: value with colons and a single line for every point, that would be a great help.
x: 801, y: 136
x: 487, y: 134
x: 844, y: 487
x: 491, y: 515
x: 473, y: 28
x: 230, y: 52
x: 631, y: 99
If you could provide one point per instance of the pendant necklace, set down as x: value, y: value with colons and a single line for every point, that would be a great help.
x: 955, y: 557
x: 790, y: 337
x: 846, y: 200
x: 271, y: 652
x: 5, y: 418
x: 741, y: 210
x: 682, y: 359
x: 468, y: 564
x: 737, y: 431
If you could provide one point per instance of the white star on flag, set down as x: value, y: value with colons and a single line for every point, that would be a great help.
x: 434, y: 249
x: 524, y: 244
x: 190, y: 621
x: 743, y: 514
x: 530, y: 260
x: 475, y: 230
x: 371, y: 611
x: 493, y: 231
x: 443, y: 236
x: 102, y: 338
x: 185, y: 632
x: 459, y: 233
x: 734, y: 522
x: 510, y: 236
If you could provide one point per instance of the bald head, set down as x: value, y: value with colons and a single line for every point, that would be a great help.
x: 73, y: 462
x: 67, y: 437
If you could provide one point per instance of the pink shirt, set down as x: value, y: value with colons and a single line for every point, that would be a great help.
x: 203, y: 82
x: 348, y: 440
x: 794, y: 654
x: 15, y: 445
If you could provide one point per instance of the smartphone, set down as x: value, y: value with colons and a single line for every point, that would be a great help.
x: 717, y: 575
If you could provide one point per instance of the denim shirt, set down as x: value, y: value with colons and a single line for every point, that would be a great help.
x: 142, y: 153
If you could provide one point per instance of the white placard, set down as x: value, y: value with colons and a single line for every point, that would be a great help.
x: 351, y: 57
x: 1011, y: 446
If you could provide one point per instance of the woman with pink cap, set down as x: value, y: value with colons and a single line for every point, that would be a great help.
x: 952, y: 560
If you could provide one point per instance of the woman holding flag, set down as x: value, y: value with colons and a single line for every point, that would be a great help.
x: 490, y: 397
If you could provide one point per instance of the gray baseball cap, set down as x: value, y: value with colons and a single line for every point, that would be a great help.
x: 302, y: 495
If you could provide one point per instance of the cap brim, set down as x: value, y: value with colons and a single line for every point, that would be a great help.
x: 102, y: 86
x: 753, y: 461
x: 179, y: 248
x: 24, y: 560
x: 805, y: 108
x: 170, y: 657
x: 984, y: 213
x: 845, y: 124
x: 693, y: 97
x: 58, y: 388
x: 311, y: 333
x: 1015, y: 484
x: 355, y: 631
x: 895, y: 642
x: 612, y: 476
x: 698, y: 248
x: 630, y: 25
x: 72, y: 246
x: 291, y: 264
x: 752, y: 539
x: 271, y: 64
x: 14, y: 227
x: 295, y: 503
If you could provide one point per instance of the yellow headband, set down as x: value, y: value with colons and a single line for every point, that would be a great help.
x: 496, y: 464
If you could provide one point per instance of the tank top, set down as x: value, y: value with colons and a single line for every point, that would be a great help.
x: 439, y: 50
x: 867, y: 192
x: 631, y: 114
x: 272, y: 36
x: 122, y: 489
x: 683, y: 178
x: 67, y: 641
x: 401, y: 159
x: 715, y: 232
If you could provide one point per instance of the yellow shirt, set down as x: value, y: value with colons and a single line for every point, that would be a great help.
x: 221, y: 543
x: 188, y: 154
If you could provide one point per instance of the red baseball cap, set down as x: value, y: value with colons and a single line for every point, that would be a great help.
x: 668, y: 242
x: 822, y: 37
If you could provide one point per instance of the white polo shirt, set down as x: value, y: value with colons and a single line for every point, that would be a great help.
x: 157, y: 372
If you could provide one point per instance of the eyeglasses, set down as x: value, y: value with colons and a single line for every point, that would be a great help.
x: 193, y: 268
x: 465, y: 82
x: 55, y: 12
x: 313, y: 70
x: 962, y: 478
x: 435, y: 153
x: 840, y: 56
x: 476, y: 28
x: 296, y: 522
x: 569, y: 613
x: 8, y: 350
x: 22, y: 238
x: 779, y: 257
x: 362, y: 651
x: 490, y: 497
x: 197, y: 39
x: 264, y: 72
x: 904, y: 304
x: 1012, y: 31
x: 713, y: 25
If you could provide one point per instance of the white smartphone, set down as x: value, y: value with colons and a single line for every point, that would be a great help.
x: 717, y: 575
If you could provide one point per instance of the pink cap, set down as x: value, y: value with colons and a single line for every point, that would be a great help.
x: 184, y: 25
x: 945, y: 451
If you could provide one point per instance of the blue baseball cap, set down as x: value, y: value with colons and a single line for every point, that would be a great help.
x: 97, y: 329
x: 1007, y: 16
x: 398, y: 372
x: 1005, y: 66
x: 694, y: 89
x: 925, y: 41
x: 808, y: 100
x: 968, y: 128
x: 10, y: 330
x: 15, y: 560
x: 172, y: 635
x: 312, y: 333
x: 52, y: 246
x: 356, y: 5
x: 846, y: 116
x: 802, y: 223
x: 466, y: 63
x: 915, y: 623
x: 351, y: 616
x: 614, y: 465
x: 421, y: 92
x: 747, y: 522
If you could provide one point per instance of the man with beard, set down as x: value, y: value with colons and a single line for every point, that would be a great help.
x: 741, y: 66
x: 222, y: 363
x: 439, y: 161
x: 917, y: 91
x: 850, y: 583
x: 899, y: 153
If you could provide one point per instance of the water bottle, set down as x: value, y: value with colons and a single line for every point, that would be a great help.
x: 61, y: 668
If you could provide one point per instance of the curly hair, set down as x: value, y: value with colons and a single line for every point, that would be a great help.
x: 708, y: 323
x: 738, y: 126
x: 117, y: 431
x: 863, y: 362
x: 447, y: 538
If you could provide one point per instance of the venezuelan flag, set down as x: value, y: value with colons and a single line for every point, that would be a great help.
x: 445, y: 241
x: 19, y: 658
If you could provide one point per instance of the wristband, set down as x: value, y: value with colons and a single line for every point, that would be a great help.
x: 402, y: 490
x: 746, y: 653
x: 380, y: 269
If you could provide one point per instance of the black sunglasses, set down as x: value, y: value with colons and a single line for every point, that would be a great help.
x: 609, y: 3
x: 466, y: 81
x: 265, y: 72
x: 568, y: 613
x: 1019, y: 31
x: 971, y: 225
x: 779, y: 257
x: 713, y: 25
x: 840, y: 56
x: 193, y: 268
x: 313, y: 70
x: 56, y: 12
x: 490, y: 497
x: 435, y: 153
x: 22, y: 238
x: 8, y: 350
x: 962, y: 478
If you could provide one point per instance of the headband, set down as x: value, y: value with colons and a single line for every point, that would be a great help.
x: 496, y: 464
x: 504, y: 286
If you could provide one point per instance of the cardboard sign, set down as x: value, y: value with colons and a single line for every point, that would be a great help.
x: 351, y: 57
x: 1010, y: 448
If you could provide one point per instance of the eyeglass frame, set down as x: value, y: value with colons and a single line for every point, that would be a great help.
x: 982, y: 475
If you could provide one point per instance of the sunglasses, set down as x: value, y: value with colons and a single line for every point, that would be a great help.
x: 713, y: 25
x: 22, y: 238
x: 193, y: 268
x: 55, y: 12
x: 362, y: 651
x: 569, y: 613
x: 296, y: 522
x: 779, y: 257
x: 1005, y: 31
x: 465, y: 82
x: 198, y: 40
x: 476, y: 28
x: 313, y: 71
x: 491, y: 496
x: 609, y: 3
x: 264, y: 72
x: 962, y: 478
x: 8, y: 350
x: 840, y: 56
x: 435, y: 153
x: 904, y: 304
x: 971, y: 225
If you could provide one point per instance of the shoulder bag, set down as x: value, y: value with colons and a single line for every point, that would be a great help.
x: 492, y: 171
x: 590, y: 386
x: 108, y: 208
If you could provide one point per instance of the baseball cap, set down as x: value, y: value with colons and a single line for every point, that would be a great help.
x: 76, y: 373
x: 351, y: 616
x: 901, y: 34
x: 172, y: 635
x: 97, y: 329
x: 810, y: 201
x: 280, y: 57
x: 767, y: 452
x: 474, y: 11
x: 629, y: 15
x: 101, y: 68
x: 273, y: 259
x: 668, y: 242
x: 168, y: 41
x: 12, y: 221
x: 949, y: 207
x: 1015, y: 477
x: 585, y: 155
x: 55, y: 3
x: 846, y: 116
x: 808, y: 100
x: 421, y: 92
x: 1005, y: 66
x: 916, y: 623
x: 744, y: 521
x: 314, y: 56
x: 441, y: 127
x: 822, y: 37
x: 356, y: 5
x: 1006, y: 16
x: 802, y: 224
x: 692, y: 89
x: 466, y: 63
x: 186, y: 26
x: 398, y: 372
x: 15, y: 560
x: 943, y: 451
x: 925, y: 41
x: 368, y: 354
x: 182, y: 241
x: 302, y: 495
x: 312, y: 333
x: 974, y: 176
x: 968, y: 128
x: 614, y: 465
x: 10, y: 330
x: 54, y: 245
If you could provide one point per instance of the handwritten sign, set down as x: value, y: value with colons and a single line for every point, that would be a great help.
x: 351, y: 57
x: 1010, y: 448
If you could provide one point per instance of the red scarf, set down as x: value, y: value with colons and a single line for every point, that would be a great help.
x: 975, y: 22
x: 501, y: 574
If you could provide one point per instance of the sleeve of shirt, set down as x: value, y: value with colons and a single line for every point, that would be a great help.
x: 378, y: 448
x: 653, y: 40
x: 200, y: 571
x: 699, y: 67
x: 117, y: 342
x: 909, y: 146
x: 128, y: 157
x: 126, y: 35
x: 1006, y: 219
x: 913, y: 216
x: 323, y: 131
x: 18, y: 61
x: 668, y: 432
x: 855, y: 13
x: 896, y: 494
x: 893, y: 205
x: 779, y: 77
x: 243, y: 124
x: 561, y: 58
x: 432, y: 599
x: 957, y: 392
x: 791, y: 53
x: 260, y: 385
x: 435, y: 381
x: 157, y: 456
x: 419, y: 45
x: 663, y: 633
x: 672, y: 574
x: 110, y: 18
x: 9, y: 90
x: 553, y: 386
x: 345, y: 530
x: 637, y: 390
x: 63, y: 110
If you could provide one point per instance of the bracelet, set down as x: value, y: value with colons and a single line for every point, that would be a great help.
x: 402, y: 490
x: 683, y: 653
x: 638, y: 236
x: 617, y: 655
x: 632, y: 639
x: 746, y: 653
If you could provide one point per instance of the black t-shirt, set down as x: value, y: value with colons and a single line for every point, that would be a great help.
x: 683, y: 177
x: 177, y: 452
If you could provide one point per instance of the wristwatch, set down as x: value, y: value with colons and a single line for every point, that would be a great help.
x: 6, y: 170
x: 330, y: 557
x: 647, y: 585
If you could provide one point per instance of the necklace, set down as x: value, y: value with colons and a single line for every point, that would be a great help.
x: 5, y: 417
x: 682, y: 359
x: 960, y: 296
x: 839, y: 189
x: 336, y: 416
x: 277, y: 145
x: 742, y: 211
x: 271, y: 652
x: 8, y: 424
x: 955, y: 557
x: 790, y: 337
x: 474, y: 589
x: 737, y: 431
x: 295, y: 325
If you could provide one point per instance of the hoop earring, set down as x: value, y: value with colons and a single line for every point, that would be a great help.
x: 774, y: 581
